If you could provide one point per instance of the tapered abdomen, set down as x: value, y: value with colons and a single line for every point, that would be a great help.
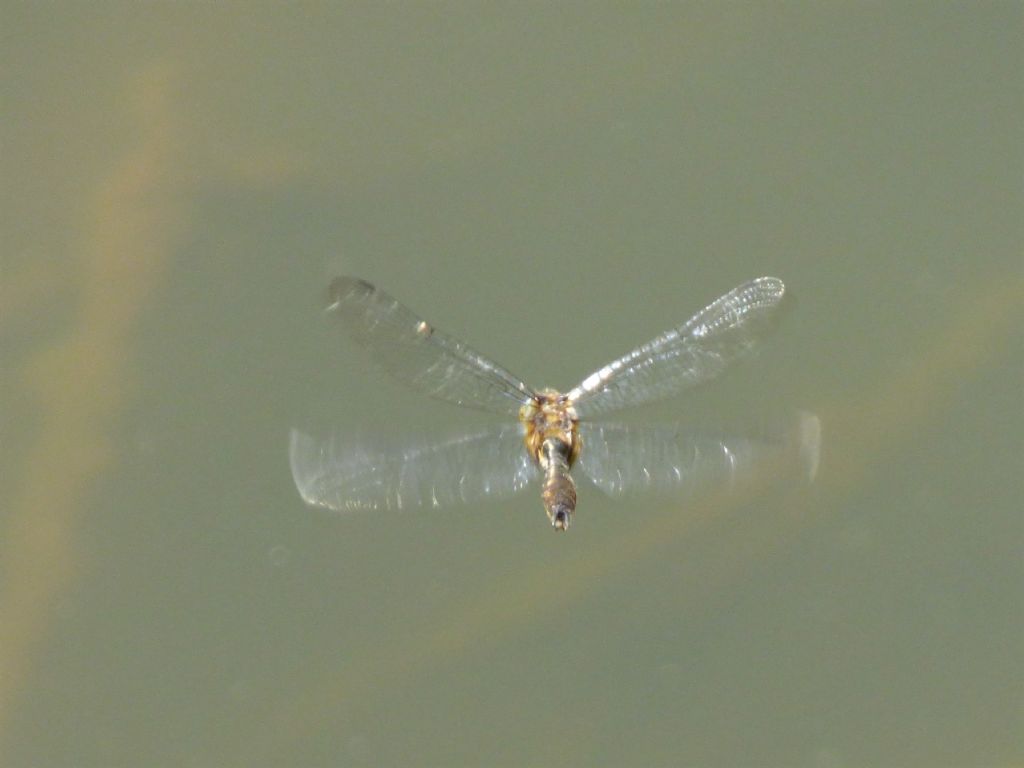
x: 559, y: 491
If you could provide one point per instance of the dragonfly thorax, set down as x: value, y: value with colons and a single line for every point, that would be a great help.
x: 550, y: 416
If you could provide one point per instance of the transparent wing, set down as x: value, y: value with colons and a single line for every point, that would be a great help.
x: 420, y: 356
x: 625, y: 459
x: 342, y: 471
x: 685, y: 356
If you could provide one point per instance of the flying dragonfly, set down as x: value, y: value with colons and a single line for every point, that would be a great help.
x: 552, y: 432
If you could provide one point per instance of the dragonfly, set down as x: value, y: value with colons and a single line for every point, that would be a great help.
x: 552, y: 432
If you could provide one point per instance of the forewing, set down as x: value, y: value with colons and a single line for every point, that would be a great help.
x: 423, y: 357
x: 685, y: 356
x: 342, y: 471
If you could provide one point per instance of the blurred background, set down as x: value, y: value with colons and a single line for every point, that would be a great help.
x: 553, y: 183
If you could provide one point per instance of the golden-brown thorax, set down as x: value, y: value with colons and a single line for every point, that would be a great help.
x: 550, y: 416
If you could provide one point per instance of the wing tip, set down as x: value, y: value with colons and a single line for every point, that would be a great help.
x: 302, y: 455
x: 770, y: 284
x: 345, y: 287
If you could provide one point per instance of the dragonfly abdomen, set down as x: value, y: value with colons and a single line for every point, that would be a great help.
x: 559, y: 490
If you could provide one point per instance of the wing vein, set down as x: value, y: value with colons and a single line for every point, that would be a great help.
x: 724, y: 331
x: 416, y: 354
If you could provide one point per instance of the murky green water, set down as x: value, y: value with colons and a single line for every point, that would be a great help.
x: 554, y: 185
